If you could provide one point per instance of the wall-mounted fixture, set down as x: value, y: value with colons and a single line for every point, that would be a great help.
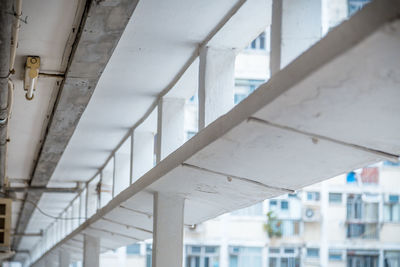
x: 31, y: 75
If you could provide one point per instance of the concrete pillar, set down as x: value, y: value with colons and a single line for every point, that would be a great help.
x: 224, y: 246
x: 64, y: 258
x: 381, y: 260
x: 216, y: 83
x: 170, y: 126
x: 91, y: 251
x: 50, y: 260
x: 296, y: 25
x: 142, y: 153
x: 168, y: 230
x: 324, y: 247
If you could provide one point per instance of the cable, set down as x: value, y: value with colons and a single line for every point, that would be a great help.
x: 48, y: 215
x: 41, y: 211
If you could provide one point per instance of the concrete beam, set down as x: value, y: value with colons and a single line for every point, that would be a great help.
x: 168, y: 230
x: 64, y: 258
x: 170, y: 127
x: 101, y: 28
x: 296, y: 25
x: 91, y: 251
x: 142, y: 153
x: 216, y: 83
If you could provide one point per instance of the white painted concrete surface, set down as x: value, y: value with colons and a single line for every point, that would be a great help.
x: 168, y: 230
x: 91, y: 251
x: 170, y: 128
x: 216, y: 83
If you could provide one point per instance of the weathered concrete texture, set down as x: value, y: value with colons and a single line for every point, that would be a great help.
x: 5, y: 40
x: 101, y: 28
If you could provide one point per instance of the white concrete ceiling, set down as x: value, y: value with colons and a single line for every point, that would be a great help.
x: 157, y: 44
x: 48, y: 33
x: 45, y: 34
x: 158, y: 41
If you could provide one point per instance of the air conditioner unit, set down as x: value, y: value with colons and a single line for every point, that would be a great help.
x: 196, y: 228
x: 311, y: 214
x: 5, y: 223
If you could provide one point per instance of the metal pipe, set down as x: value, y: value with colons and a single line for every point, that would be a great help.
x: 43, y: 189
x: 27, y: 234
x: 51, y: 75
x: 5, y: 43
x: 10, y: 97
x: 15, y: 33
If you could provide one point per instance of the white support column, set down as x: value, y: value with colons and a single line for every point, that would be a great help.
x: 170, y: 126
x: 64, y: 258
x: 216, y: 83
x: 50, y: 261
x: 91, y: 251
x: 324, y: 246
x: 224, y: 247
x: 296, y: 25
x: 168, y: 230
x: 142, y: 153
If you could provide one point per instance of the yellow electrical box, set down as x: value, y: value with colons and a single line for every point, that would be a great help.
x: 5, y: 223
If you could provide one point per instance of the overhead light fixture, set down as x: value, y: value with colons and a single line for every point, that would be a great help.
x: 31, y: 75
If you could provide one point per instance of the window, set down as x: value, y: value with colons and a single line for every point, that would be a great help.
x: 389, y: 163
x: 244, y: 87
x: 393, y: 198
x: 274, y: 250
x: 362, y: 230
x: 354, y: 206
x: 360, y: 211
x: 245, y: 256
x: 313, y: 196
x: 286, y: 227
x: 259, y: 43
x: 279, y: 205
x: 273, y: 203
x: 335, y: 255
x: 312, y: 252
x: 204, y: 256
x: 133, y: 249
x: 355, y: 5
x: 149, y: 248
x: 335, y: 198
x: 255, y: 210
x: 239, y: 98
x: 391, y: 212
x: 288, y: 250
x: 190, y: 134
x: 284, y: 257
x: 284, y: 205
x: 365, y: 258
x: 392, y: 259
